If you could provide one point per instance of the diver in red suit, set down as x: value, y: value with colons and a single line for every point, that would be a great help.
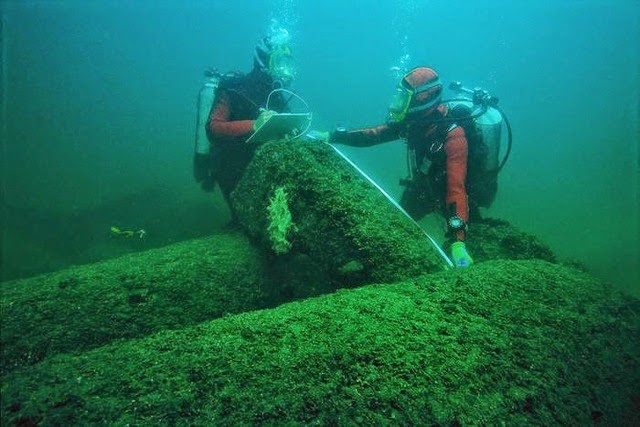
x: 437, y: 153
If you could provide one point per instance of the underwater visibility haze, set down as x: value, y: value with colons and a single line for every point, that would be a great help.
x: 99, y: 106
x: 99, y: 209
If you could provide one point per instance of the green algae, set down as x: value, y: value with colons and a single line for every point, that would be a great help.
x: 131, y: 296
x: 491, y: 239
x: 340, y: 218
x: 280, y: 223
x: 132, y: 341
x: 512, y: 342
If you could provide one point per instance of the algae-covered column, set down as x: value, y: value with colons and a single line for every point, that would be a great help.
x: 131, y: 296
x: 516, y: 343
x: 301, y: 197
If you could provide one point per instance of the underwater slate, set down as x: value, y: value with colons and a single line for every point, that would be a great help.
x: 513, y: 342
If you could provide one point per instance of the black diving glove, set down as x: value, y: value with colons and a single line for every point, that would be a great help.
x: 203, y: 172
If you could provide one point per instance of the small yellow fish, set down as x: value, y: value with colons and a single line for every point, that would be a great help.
x: 116, y: 231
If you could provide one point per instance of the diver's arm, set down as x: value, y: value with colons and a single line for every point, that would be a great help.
x: 219, y: 124
x: 366, y: 137
x: 456, y: 148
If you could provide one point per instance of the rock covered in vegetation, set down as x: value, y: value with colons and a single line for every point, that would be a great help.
x: 88, y: 306
x: 511, y: 342
x: 342, y: 223
x: 491, y: 239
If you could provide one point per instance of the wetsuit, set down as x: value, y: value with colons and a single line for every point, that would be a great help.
x: 237, y: 105
x: 444, y: 144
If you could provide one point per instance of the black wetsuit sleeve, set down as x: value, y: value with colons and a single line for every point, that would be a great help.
x: 366, y: 137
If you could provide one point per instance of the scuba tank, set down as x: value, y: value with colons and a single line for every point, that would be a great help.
x: 206, y: 98
x: 488, y: 119
x: 204, y: 161
x: 486, y: 127
x: 478, y: 113
x: 489, y: 127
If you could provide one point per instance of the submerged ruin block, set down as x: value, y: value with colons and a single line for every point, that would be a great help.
x: 491, y: 239
x: 345, y: 226
x: 131, y: 296
x: 504, y: 342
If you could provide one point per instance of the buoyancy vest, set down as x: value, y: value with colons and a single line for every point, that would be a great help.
x: 248, y: 95
x: 483, y: 135
x: 426, y: 155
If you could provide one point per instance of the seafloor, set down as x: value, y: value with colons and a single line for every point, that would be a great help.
x: 346, y: 325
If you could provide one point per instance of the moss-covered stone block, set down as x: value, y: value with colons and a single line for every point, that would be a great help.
x: 131, y: 296
x: 491, y: 239
x: 346, y: 227
x: 502, y: 343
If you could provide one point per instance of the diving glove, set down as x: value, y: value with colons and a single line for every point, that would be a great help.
x: 262, y: 118
x: 461, y: 257
x: 202, y: 171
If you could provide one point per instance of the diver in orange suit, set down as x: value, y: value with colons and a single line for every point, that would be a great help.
x: 417, y: 116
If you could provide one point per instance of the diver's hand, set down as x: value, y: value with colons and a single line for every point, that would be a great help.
x: 339, y: 135
x: 316, y: 135
x: 461, y: 257
x: 262, y: 118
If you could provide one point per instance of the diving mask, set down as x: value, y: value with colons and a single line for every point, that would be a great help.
x: 400, y: 107
x: 400, y: 103
x: 281, y: 66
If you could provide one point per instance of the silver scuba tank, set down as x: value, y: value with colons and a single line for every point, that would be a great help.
x: 206, y: 98
x: 488, y: 126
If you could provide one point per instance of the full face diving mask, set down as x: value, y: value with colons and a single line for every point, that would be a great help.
x: 281, y: 65
x: 399, y: 107
x: 400, y: 103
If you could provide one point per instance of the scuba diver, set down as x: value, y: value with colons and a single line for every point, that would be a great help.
x: 446, y: 171
x: 231, y: 108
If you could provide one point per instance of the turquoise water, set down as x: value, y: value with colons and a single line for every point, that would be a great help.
x: 99, y: 113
